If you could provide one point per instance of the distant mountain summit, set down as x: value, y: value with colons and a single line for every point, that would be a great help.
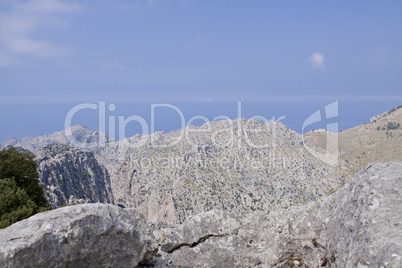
x: 80, y: 134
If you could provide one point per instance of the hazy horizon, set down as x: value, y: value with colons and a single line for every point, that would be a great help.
x: 167, y: 119
x: 279, y: 58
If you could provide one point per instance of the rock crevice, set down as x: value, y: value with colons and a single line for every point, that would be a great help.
x: 169, y: 248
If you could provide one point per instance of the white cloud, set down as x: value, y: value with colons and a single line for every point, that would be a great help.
x: 47, y: 6
x: 23, y: 45
x: 18, y: 26
x: 317, y: 59
x: 6, y: 60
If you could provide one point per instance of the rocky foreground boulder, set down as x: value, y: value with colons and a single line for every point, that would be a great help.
x: 358, y: 226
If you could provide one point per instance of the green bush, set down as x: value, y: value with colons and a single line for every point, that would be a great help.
x: 21, y: 195
x: 15, y: 204
x: 393, y: 125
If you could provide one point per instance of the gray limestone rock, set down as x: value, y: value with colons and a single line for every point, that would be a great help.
x: 89, y: 235
x: 233, y: 165
x: 358, y: 226
x: 228, y: 166
x: 79, y: 136
x: 72, y: 176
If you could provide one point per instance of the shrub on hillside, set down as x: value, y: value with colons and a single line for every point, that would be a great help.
x: 393, y: 125
x: 391, y: 111
x: 21, y: 195
x: 15, y: 204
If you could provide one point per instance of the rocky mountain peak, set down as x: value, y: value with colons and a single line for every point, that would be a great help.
x: 79, y: 136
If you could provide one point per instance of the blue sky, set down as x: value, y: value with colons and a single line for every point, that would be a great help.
x: 67, y: 52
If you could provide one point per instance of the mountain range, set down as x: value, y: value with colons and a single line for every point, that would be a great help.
x: 224, y: 165
x: 234, y: 165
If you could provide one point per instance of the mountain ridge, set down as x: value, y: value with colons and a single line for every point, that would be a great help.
x: 237, y: 165
x: 380, y: 140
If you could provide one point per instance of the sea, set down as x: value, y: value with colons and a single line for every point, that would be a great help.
x: 126, y: 119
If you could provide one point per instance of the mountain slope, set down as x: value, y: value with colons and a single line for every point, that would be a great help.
x: 236, y: 165
x: 380, y: 140
x: 217, y: 166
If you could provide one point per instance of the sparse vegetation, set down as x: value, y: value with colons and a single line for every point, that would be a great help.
x: 378, y: 142
x: 393, y: 125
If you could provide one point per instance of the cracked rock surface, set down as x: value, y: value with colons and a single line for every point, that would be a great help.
x: 358, y: 226
x: 72, y: 176
x: 88, y: 235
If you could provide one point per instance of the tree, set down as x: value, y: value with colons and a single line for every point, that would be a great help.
x: 21, y: 195
x: 15, y: 204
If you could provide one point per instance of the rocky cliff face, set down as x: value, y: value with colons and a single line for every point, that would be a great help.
x: 235, y: 165
x: 359, y: 226
x: 72, y: 176
x: 229, y: 166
